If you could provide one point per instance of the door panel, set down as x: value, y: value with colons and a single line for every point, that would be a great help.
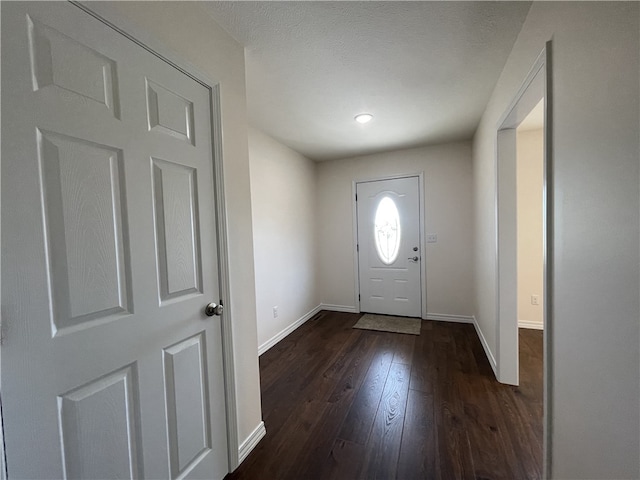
x: 169, y: 113
x: 86, y: 230
x: 187, y: 402
x: 61, y: 62
x: 388, y: 246
x: 177, y: 230
x: 110, y: 402
x: 110, y: 367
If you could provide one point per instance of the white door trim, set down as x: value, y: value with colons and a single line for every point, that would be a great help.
x: 354, y: 219
x: 536, y: 85
x: 152, y: 45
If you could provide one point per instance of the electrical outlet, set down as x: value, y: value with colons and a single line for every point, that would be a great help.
x: 275, y: 312
x: 535, y: 300
x: 432, y: 238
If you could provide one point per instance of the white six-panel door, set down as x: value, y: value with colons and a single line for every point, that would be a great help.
x: 110, y: 369
x: 389, y: 246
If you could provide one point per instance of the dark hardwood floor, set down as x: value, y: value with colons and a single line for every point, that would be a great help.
x: 341, y: 403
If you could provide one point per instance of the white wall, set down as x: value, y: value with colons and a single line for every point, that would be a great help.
x: 283, y: 199
x: 448, y: 212
x: 594, y: 326
x: 529, y: 173
x: 187, y: 30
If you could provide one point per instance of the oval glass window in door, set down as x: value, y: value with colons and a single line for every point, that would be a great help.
x: 386, y: 231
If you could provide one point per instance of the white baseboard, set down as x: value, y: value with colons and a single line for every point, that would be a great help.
x: 279, y: 336
x: 487, y: 350
x: 338, y: 308
x: 445, y: 317
x: 530, y: 325
x: 250, y: 442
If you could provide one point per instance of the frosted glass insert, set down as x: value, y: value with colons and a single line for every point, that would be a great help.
x: 386, y: 231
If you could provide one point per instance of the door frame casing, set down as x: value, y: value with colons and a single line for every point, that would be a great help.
x: 123, y: 27
x: 537, y: 85
x: 421, y: 218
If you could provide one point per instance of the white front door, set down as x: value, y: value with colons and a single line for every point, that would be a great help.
x: 110, y: 368
x: 389, y: 246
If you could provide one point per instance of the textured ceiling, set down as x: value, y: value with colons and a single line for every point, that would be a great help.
x: 425, y: 70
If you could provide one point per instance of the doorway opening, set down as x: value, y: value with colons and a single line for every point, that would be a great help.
x: 529, y: 203
x: 524, y: 229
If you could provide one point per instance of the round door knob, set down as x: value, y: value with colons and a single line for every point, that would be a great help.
x: 213, y: 309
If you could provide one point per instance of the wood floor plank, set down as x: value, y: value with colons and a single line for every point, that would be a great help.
x: 383, y: 445
x: 344, y: 461
x: 454, y: 459
x: 483, y: 431
x: 423, y: 361
x: 277, y: 361
x: 418, y: 449
x: 404, y: 346
x: 308, y: 367
x: 276, y: 453
x: 359, y: 420
x: 354, y: 374
x: 515, y: 407
x: 342, y: 403
x: 310, y: 462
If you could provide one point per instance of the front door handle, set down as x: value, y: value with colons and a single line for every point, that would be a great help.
x: 415, y: 259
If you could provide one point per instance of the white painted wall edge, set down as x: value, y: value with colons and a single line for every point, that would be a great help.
x: 247, y: 446
x: 446, y: 317
x: 530, y: 325
x: 485, y: 345
x: 338, y: 308
x: 279, y: 336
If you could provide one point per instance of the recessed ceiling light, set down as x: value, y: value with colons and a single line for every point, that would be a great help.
x: 363, y: 118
